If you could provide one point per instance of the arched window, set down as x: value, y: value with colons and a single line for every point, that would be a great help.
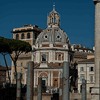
x: 21, y: 64
x: 17, y: 36
x: 55, y: 20
x: 28, y: 35
x: 22, y: 36
x: 59, y: 56
x: 52, y: 20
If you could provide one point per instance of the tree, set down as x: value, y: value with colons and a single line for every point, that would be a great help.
x: 16, y: 48
x: 4, y: 50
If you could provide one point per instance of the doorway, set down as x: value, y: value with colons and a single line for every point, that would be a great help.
x: 43, y: 85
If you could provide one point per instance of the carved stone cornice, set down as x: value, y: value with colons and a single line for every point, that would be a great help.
x: 96, y: 1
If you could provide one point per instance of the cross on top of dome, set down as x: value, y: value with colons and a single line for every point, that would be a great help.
x: 53, y: 7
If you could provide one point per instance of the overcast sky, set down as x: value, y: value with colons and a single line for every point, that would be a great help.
x: 77, y: 17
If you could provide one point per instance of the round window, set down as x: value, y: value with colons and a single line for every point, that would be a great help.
x: 46, y: 36
x: 58, y: 36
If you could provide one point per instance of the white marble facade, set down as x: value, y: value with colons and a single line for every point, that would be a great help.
x: 52, y: 48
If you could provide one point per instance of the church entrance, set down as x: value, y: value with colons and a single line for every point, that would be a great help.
x: 43, y: 84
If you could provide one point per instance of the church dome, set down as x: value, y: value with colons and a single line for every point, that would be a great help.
x: 53, y: 34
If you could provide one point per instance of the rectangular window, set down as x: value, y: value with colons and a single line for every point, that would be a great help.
x: 91, y: 78
x: 91, y: 69
x: 82, y: 76
x: 90, y: 89
x: 44, y: 58
x: 21, y: 64
x: 59, y: 56
x: 81, y: 69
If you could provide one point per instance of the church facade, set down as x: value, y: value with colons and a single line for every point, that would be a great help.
x: 51, y: 47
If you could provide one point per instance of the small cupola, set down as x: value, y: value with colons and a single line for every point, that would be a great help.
x: 53, y: 18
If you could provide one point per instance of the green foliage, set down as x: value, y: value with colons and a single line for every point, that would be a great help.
x: 4, y: 47
x: 11, y: 45
x: 14, y: 48
x: 19, y: 46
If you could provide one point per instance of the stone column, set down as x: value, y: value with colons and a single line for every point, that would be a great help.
x: 96, y: 90
x: 65, y: 93
x: 60, y: 87
x: 53, y: 56
x: 25, y: 76
x: 30, y: 80
x: 59, y: 79
x: 37, y: 77
x: 34, y: 78
x: 49, y: 79
x: 84, y: 94
x: 52, y: 78
x: 39, y: 96
x: 18, y: 86
x: 50, y: 56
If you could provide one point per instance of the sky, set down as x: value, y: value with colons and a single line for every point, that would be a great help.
x: 77, y: 17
